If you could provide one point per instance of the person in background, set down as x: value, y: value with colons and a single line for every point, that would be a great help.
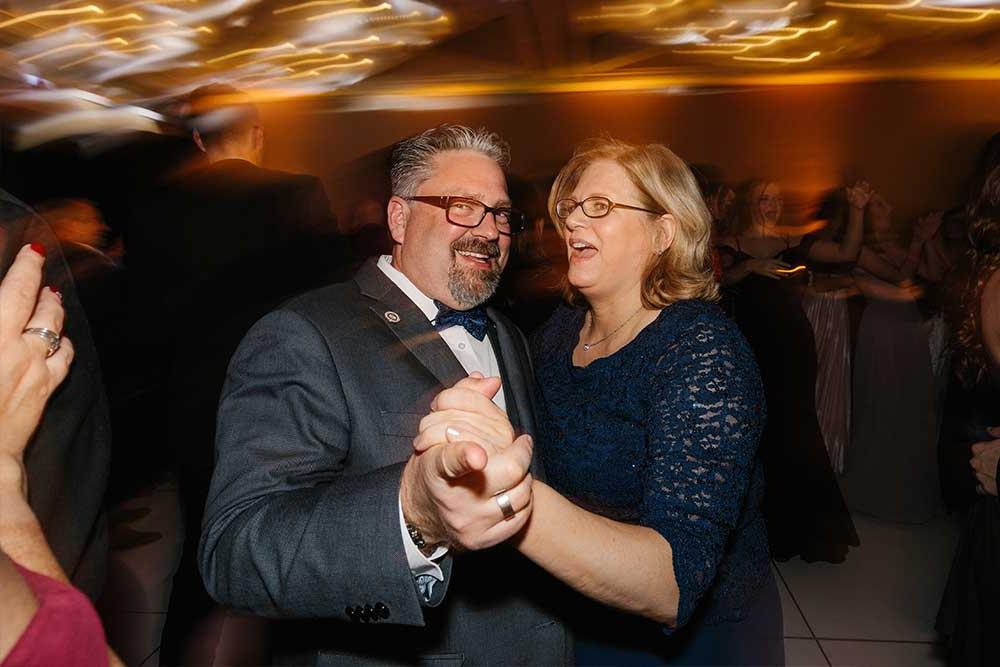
x: 970, y: 444
x: 895, y: 409
x: 45, y: 620
x: 210, y: 251
x: 765, y: 265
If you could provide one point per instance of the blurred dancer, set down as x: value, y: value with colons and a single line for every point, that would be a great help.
x: 211, y: 251
x: 765, y: 265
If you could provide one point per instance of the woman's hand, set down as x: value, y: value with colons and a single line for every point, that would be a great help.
x: 768, y: 267
x: 984, y: 461
x: 859, y: 194
x: 29, y: 372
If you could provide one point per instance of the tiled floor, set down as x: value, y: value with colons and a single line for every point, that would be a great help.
x: 876, y: 609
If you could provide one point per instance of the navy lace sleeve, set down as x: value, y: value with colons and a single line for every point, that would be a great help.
x: 706, y: 415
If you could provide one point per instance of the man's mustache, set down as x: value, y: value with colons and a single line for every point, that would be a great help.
x: 489, y: 248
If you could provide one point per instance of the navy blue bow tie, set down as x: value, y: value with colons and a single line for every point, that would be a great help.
x: 473, y: 320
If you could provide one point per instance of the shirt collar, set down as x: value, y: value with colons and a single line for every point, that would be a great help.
x: 419, y: 299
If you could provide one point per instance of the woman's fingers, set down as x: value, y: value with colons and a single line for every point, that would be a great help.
x: 19, y: 290
x: 59, y: 363
x: 49, y: 316
x: 451, y: 430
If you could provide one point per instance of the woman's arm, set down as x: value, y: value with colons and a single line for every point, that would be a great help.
x: 622, y: 565
x: 19, y: 605
x: 849, y: 248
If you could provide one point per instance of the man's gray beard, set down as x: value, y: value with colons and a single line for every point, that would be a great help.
x: 471, y: 287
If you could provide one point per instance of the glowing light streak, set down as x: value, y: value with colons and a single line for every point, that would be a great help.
x: 70, y: 47
x: 781, y: 10
x: 909, y: 4
x: 357, y: 63
x: 704, y: 29
x: 740, y: 48
x: 370, y: 39
x: 359, y: 10
x: 339, y: 56
x: 979, y: 16
x: 411, y: 24
x: 280, y: 56
x: 116, y: 54
x: 144, y: 3
x: 76, y: 24
x: 89, y: 9
x: 314, y: 3
x: 247, y: 52
x: 176, y: 33
x: 757, y: 59
x: 133, y: 28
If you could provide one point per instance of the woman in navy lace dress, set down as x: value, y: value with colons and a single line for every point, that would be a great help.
x: 650, y: 409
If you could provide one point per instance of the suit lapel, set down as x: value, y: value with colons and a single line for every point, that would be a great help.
x: 408, y: 324
x: 517, y: 377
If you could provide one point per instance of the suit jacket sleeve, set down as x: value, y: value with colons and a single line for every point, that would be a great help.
x: 286, y: 532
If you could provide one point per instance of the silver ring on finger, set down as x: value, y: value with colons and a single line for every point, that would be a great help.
x: 503, y: 500
x: 53, y: 339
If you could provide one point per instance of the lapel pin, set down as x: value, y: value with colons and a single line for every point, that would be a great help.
x: 392, y: 316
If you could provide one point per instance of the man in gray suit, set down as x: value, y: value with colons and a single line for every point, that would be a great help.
x: 319, y: 508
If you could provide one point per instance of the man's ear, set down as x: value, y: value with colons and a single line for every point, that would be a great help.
x: 398, y: 214
x: 666, y: 229
x: 196, y: 136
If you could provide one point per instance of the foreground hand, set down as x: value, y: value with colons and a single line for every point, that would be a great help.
x: 985, y: 456
x: 27, y: 376
x: 450, y: 484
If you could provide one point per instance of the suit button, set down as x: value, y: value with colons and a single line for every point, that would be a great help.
x: 382, y: 610
x: 370, y: 613
x: 350, y: 613
x: 359, y: 613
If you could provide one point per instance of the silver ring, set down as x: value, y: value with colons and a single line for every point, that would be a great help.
x: 49, y: 336
x: 503, y: 500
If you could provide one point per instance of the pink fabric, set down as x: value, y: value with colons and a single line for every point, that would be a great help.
x: 827, y: 312
x: 65, y: 630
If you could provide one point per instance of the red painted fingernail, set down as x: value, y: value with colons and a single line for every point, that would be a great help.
x: 39, y: 248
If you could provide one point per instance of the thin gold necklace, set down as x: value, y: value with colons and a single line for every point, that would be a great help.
x: 587, y: 346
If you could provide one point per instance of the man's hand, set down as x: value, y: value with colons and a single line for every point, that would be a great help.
x: 465, y: 455
x: 985, y: 456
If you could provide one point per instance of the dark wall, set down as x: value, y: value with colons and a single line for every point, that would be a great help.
x: 916, y: 142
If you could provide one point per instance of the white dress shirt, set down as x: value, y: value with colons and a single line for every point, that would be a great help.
x: 474, y: 355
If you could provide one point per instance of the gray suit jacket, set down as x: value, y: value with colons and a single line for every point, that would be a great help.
x: 316, y: 421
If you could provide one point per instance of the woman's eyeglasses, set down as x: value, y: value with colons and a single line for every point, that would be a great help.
x: 595, y: 207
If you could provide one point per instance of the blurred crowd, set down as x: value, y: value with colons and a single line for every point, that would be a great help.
x: 878, y: 341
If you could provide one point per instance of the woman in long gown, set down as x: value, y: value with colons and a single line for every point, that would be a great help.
x: 892, y: 465
x: 765, y: 266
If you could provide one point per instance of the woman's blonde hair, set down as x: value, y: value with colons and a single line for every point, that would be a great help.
x: 664, y: 182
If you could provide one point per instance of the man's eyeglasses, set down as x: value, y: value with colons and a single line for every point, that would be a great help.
x: 466, y: 212
x: 595, y: 207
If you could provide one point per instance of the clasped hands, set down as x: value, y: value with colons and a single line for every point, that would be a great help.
x: 465, y: 456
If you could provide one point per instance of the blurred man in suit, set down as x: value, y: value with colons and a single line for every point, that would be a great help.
x: 210, y: 250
